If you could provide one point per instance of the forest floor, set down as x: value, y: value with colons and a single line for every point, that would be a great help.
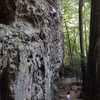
x: 64, y: 85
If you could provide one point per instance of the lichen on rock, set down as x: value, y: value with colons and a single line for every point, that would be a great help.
x: 31, y: 49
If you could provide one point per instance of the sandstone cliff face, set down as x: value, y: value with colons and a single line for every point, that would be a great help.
x: 31, y: 49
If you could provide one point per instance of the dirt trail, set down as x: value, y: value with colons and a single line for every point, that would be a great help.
x: 65, y: 84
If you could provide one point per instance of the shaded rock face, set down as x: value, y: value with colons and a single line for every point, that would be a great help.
x: 31, y: 49
x: 7, y: 11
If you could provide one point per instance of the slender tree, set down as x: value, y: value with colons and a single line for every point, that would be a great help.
x: 86, y: 47
x: 69, y: 44
x: 93, y: 71
x: 81, y: 40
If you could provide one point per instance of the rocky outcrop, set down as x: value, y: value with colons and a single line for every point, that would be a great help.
x: 31, y: 48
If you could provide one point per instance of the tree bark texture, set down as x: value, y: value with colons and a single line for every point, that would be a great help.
x: 92, y: 91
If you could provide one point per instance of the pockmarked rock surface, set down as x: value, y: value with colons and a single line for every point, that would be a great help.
x: 31, y: 48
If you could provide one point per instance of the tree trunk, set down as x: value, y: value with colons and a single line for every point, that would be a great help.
x: 69, y: 44
x: 92, y: 91
x: 81, y: 40
x: 86, y: 37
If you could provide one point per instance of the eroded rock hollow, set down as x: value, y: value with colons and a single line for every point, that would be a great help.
x: 31, y: 48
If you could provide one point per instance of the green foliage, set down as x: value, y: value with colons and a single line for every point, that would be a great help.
x: 70, y: 16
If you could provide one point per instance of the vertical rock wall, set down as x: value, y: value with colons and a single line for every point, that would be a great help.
x: 31, y: 48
